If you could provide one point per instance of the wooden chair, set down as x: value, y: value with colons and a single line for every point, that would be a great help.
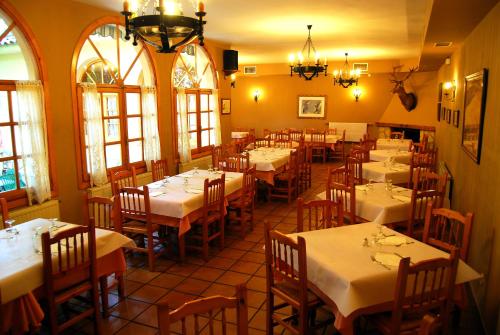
x: 2, y: 326
x: 282, y: 143
x: 428, y: 325
x: 338, y: 149
x: 305, y: 168
x: 212, y: 308
x: 217, y: 155
x: 397, y: 135
x: 102, y: 212
x: 69, y: 271
x: 331, y: 131
x: 136, y: 220
x: 319, y: 214
x: 420, y: 161
x: 262, y: 142
x: 360, y: 153
x: 430, y: 180
x: 296, y: 135
x: 230, y: 164
x: 318, y: 144
x: 422, y: 146
x: 285, y: 183
x: 244, y: 206
x: 354, y: 168
x: 159, y: 169
x: 346, y: 195
x: 286, y: 279
x: 418, y: 206
x: 337, y: 175
x: 211, y: 222
x: 5, y: 212
x: 123, y: 178
x: 368, y: 143
x: 420, y: 289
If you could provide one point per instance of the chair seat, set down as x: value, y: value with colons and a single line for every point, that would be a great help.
x: 383, y: 323
x: 210, y: 218
x: 293, y: 292
x: 137, y: 227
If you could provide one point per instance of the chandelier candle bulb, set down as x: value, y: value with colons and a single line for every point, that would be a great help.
x: 201, y: 6
x: 126, y: 6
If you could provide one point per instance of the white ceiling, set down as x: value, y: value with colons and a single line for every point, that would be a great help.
x: 267, y: 31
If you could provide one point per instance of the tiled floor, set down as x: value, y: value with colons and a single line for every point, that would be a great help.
x: 241, y: 261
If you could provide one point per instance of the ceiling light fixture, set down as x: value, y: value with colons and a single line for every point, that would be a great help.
x: 161, y: 24
x: 346, y: 77
x: 309, y: 67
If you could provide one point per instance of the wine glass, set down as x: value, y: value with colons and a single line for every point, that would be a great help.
x: 195, y: 170
x: 388, y: 185
x: 9, y: 224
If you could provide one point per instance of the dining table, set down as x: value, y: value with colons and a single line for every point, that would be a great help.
x: 394, y: 144
x: 378, y: 203
x: 21, y: 264
x: 269, y: 161
x: 385, y: 171
x: 354, y: 268
x: 176, y: 201
x: 398, y: 156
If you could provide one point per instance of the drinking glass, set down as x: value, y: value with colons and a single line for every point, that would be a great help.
x: 195, y: 170
x: 9, y: 224
x: 388, y: 185
x: 37, y: 239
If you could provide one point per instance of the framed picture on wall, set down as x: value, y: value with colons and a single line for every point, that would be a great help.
x: 476, y: 86
x: 225, y: 106
x: 443, y: 113
x: 312, y: 107
x: 439, y: 112
x: 456, y: 118
x: 448, y: 115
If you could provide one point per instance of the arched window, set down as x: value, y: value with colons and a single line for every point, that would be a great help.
x: 119, y: 77
x: 197, y: 105
x: 24, y: 153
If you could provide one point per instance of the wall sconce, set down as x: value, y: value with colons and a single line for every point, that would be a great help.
x: 256, y: 95
x: 357, y: 93
x: 233, y: 80
x: 450, y: 88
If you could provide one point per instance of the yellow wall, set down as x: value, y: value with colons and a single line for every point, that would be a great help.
x: 57, y: 26
x: 477, y: 186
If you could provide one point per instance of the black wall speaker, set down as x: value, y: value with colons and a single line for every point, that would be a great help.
x: 230, y: 60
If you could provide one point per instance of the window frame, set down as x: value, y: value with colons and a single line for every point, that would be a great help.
x: 120, y: 88
x: 199, y: 151
x: 19, y: 197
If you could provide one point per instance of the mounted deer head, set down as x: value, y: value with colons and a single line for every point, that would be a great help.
x: 409, y: 100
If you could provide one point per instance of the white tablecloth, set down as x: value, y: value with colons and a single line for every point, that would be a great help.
x: 239, y: 134
x: 21, y: 268
x: 378, y: 172
x: 403, y: 157
x: 393, y: 144
x: 175, y: 199
x: 269, y: 159
x: 379, y: 205
x: 341, y: 267
x: 330, y: 139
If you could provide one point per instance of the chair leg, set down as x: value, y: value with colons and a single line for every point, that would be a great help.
x: 269, y: 313
x: 151, y: 253
x: 182, y: 247
x: 97, y: 312
x: 204, y: 241
x: 121, y: 284
x: 103, y: 282
x: 221, y: 227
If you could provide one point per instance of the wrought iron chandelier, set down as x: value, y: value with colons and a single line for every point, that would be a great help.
x: 161, y: 24
x: 346, y: 77
x: 308, y: 68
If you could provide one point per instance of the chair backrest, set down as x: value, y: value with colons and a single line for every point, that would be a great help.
x: 295, y: 135
x: 5, y: 211
x: 346, y: 196
x: 102, y: 210
x: 243, y: 160
x: 282, y: 135
x: 368, y: 143
x: 133, y: 204
x: 293, y: 166
x: 123, y: 178
x: 319, y: 214
x: 360, y: 153
x: 230, y: 163
x: 248, y: 189
x: 428, y: 180
x: 318, y: 138
x: 424, y: 287
x: 213, y: 196
x: 337, y: 175
x: 217, y: 155
x: 69, y: 258
x: 282, y: 143
x: 418, y: 205
x: 445, y: 229
x: 262, y: 142
x: 286, y: 263
x: 194, y: 314
x: 397, y: 134
x: 331, y: 131
x: 420, y: 161
x: 159, y: 169
x: 354, y: 166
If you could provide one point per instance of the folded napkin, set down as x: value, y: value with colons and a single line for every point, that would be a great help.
x: 393, y: 240
x: 401, y: 198
x: 388, y: 259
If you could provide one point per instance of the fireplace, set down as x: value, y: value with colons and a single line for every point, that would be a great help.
x: 410, y: 133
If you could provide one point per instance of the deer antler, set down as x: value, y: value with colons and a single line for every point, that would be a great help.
x: 412, y: 70
x: 393, y: 74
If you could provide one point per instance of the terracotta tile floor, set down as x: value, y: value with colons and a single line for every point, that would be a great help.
x: 241, y: 261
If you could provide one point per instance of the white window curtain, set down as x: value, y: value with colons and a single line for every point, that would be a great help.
x: 94, y: 134
x: 33, y: 140
x: 150, y: 125
x: 217, y: 127
x: 182, y: 127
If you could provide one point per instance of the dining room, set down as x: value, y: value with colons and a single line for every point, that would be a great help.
x: 213, y: 167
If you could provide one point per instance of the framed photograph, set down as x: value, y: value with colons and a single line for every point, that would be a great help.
x: 443, y: 113
x: 439, y: 112
x: 312, y: 107
x: 448, y: 115
x: 476, y: 86
x: 250, y: 69
x: 456, y: 118
x: 225, y: 106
